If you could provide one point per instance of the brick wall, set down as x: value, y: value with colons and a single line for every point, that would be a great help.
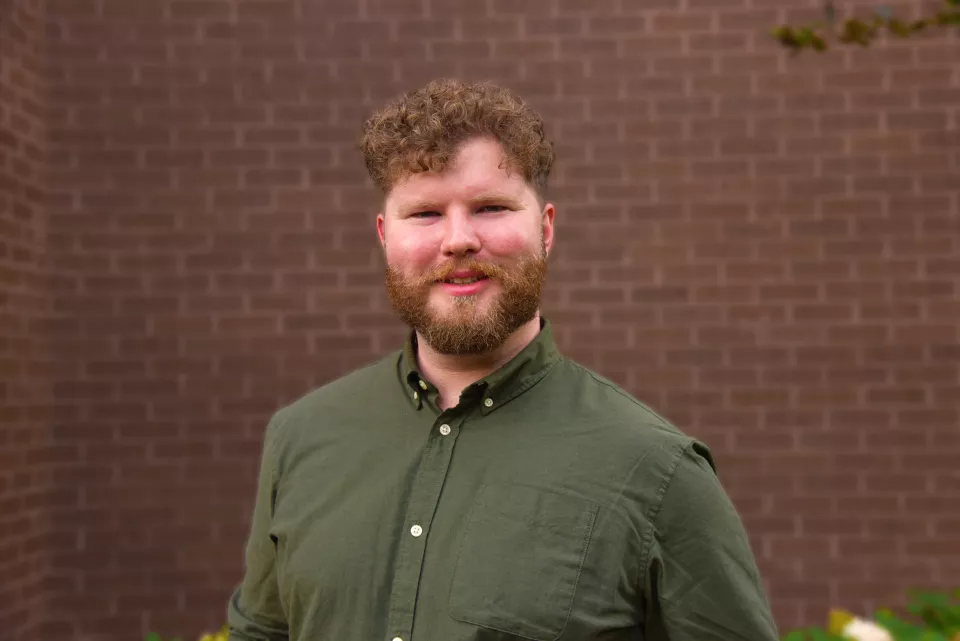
x: 24, y: 430
x: 763, y: 247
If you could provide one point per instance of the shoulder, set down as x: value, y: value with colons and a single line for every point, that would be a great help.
x: 614, y: 405
x: 620, y: 399
x: 352, y: 390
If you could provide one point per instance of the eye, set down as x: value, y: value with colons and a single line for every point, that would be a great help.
x: 424, y: 214
x: 493, y: 208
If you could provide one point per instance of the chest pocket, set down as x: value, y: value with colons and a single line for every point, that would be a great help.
x: 520, y: 561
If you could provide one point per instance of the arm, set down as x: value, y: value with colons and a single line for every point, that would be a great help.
x: 254, y: 611
x: 702, y: 582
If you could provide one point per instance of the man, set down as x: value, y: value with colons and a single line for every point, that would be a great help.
x: 475, y: 484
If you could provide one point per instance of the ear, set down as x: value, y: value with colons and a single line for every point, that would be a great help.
x: 381, y: 231
x: 549, y: 212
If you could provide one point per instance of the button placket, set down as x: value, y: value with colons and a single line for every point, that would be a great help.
x: 425, y: 496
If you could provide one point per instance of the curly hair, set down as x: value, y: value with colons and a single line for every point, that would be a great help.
x: 422, y: 130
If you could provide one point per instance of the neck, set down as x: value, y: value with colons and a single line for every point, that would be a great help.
x: 452, y: 373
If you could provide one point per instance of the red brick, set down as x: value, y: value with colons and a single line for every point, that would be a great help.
x: 28, y: 453
x: 775, y: 235
x: 665, y: 22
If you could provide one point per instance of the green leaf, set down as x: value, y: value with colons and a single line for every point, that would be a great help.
x: 808, y: 36
x: 899, y: 28
x: 857, y: 32
x: 938, y: 612
x: 153, y: 636
x: 945, y: 18
x: 787, y: 37
x: 905, y: 631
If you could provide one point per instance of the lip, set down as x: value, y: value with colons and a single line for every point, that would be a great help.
x: 469, y: 289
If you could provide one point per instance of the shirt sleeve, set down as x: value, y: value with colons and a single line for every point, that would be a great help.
x: 254, y: 610
x: 702, y: 581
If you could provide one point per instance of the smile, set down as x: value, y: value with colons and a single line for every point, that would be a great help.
x: 464, y: 281
x: 465, y: 286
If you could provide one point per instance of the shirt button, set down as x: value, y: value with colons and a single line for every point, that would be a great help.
x: 416, y: 530
x: 423, y: 385
x: 488, y: 402
x: 397, y: 639
x: 415, y: 396
x: 444, y: 429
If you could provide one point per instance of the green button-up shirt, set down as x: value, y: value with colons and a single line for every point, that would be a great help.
x: 547, y: 505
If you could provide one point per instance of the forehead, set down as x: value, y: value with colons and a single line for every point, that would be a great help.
x: 478, y: 170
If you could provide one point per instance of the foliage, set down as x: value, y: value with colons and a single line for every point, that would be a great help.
x: 935, y: 617
x: 853, y: 31
x: 219, y: 635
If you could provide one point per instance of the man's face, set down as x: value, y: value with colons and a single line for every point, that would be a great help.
x: 466, y: 251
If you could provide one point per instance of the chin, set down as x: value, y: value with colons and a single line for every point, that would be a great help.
x: 450, y: 302
x: 461, y: 308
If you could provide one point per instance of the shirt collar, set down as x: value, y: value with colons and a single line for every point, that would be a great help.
x: 499, y: 387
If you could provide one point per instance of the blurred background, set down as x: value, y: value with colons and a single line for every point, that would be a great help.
x: 763, y: 246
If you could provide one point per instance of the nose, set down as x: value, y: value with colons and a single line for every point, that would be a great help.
x: 460, y: 237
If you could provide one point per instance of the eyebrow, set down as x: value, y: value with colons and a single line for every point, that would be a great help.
x: 481, y: 199
x: 497, y: 197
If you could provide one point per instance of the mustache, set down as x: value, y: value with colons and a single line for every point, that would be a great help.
x: 487, y: 269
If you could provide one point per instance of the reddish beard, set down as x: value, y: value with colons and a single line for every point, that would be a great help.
x: 468, y: 329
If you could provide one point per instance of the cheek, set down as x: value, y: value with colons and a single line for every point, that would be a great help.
x: 410, y: 252
x: 511, y: 243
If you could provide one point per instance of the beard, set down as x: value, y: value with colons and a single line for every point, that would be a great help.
x: 470, y: 328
